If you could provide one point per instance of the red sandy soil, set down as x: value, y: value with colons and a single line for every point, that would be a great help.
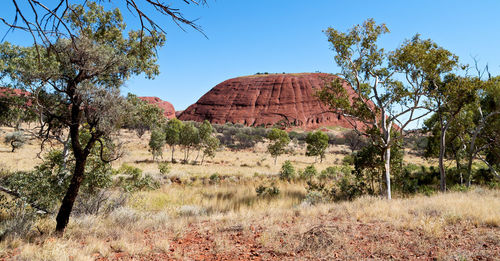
x: 331, y: 239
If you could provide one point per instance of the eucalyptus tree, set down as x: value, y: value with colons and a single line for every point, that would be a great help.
x: 172, y: 134
x: 189, y: 138
x: 156, y: 142
x: 388, y: 88
x: 82, y: 76
x: 317, y: 142
x: 278, y: 141
x: 448, y: 99
x: 485, y: 133
x: 143, y: 116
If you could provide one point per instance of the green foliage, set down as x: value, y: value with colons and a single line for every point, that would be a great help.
x: 210, y: 146
x: 172, y: 134
x: 156, y: 142
x: 348, y: 160
x: 317, y: 142
x: 279, y: 140
x: 415, y: 179
x: 215, y: 178
x: 205, y: 130
x: 15, y: 139
x: 389, y: 86
x: 269, y: 192
x: 351, y: 187
x: 45, y: 186
x: 287, y: 171
x: 142, y: 116
x: 79, y: 79
x: 208, y: 143
x: 314, y: 197
x: 189, y: 138
x: 334, y: 172
x: 131, y: 179
x: 164, y: 168
x: 235, y: 136
x: 308, y: 173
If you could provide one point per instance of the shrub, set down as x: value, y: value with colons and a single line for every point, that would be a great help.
x: 164, y: 168
x: 309, y: 172
x: 131, y: 179
x: 263, y: 191
x: 215, y: 178
x: 47, y: 184
x: 314, y: 197
x: 348, y: 160
x: 287, y: 171
x: 334, y: 172
x: 17, y: 218
x: 15, y: 139
x: 351, y: 187
x: 103, y: 202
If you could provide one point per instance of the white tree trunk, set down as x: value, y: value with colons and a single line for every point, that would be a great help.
x: 387, y: 165
x: 442, y: 150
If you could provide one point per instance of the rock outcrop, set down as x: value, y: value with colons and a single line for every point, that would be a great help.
x: 265, y: 100
x: 168, y: 108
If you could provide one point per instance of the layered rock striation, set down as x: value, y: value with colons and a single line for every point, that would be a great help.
x: 265, y: 100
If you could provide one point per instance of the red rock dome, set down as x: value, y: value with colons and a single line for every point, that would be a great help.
x: 167, y: 107
x: 264, y: 100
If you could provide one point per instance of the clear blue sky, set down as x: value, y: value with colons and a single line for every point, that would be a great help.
x: 245, y: 37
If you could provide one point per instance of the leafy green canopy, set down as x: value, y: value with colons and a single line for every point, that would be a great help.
x: 317, y: 142
x: 279, y: 140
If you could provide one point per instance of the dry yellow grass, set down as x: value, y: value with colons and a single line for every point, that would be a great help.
x: 123, y: 230
x: 226, y: 162
x: 152, y: 221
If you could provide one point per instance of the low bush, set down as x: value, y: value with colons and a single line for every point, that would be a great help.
x: 308, y: 173
x: 15, y: 139
x: 264, y: 191
x: 287, y: 171
x: 131, y: 179
x: 164, y: 168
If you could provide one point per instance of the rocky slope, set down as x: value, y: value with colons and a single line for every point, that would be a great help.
x: 265, y: 100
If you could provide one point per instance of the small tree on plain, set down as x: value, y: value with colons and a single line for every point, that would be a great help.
x: 210, y: 147
x: 156, y: 142
x: 317, y: 142
x: 279, y: 140
x: 188, y: 138
x: 172, y: 134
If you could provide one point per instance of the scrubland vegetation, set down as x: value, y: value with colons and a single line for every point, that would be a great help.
x: 241, y: 205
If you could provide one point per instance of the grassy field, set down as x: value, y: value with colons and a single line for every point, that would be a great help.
x: 202, y: 219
